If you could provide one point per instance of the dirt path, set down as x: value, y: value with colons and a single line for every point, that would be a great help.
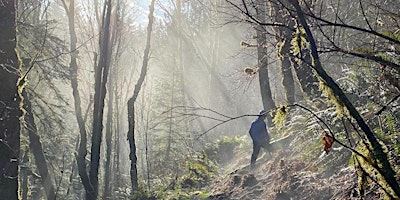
x: 285, y: 178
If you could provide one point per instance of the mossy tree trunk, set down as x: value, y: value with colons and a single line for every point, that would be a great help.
x: 384, y: 168
x: 299, y: 62
x: 263, y: 75
x: 284, y: 36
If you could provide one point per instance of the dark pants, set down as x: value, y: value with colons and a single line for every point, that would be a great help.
x: 256, y: 150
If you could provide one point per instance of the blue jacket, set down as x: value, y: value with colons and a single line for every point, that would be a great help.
x: 258, y: 130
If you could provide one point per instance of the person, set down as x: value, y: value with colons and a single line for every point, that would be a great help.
x: 259, y: 134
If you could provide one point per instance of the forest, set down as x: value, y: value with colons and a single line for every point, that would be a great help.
x: 154, y: 99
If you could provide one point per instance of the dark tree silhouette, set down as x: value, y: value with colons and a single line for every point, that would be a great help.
x: 10, y: 99
x: 131, y: 103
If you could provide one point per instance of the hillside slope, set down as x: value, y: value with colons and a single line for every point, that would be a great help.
x: 286, y: 176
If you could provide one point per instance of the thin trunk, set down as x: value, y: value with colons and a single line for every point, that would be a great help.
x: 181, y: 62
x: 263, y: 77
x: 73, y: 69
x: 117, y: 140
x: 119, y: 15
x: 142, y: 110
x: 99, y: 98
x: 169, y: 139
x: 132, y: 145
x: 109, y: 124
x: 213, y: 82
x: 147, y: 144
x: 385, y: 169
x: 131, y: 103
x: 73, y: 172
x: 9, y: 102
x: 37, y: 151
x: 24, y: 175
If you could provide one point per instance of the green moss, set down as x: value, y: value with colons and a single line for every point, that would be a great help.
x: 298, y: 42
x: 397, y: 149
x: 279, y: 47
x: 200, y: 194
x: 367, y: 169
x: 333, y: 99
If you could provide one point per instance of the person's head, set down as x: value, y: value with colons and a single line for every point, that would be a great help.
x: 263, y: 114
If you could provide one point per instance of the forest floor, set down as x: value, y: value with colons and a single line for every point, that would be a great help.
x: 284, y: 176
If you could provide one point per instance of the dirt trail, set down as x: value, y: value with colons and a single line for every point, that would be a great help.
x: 282, y: 178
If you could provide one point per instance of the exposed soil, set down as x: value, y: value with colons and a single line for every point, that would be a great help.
x: 282, y: 178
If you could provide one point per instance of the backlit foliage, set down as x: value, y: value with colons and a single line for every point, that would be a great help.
x: 298, y: 42
x: 333, y: 99
x: 366, y: 171
x: 280, y: 116
x: 279, y: 46
x: 199, y: 170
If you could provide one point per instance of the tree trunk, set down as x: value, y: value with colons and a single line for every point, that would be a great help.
x: 37, y: 151
x: 385, y: 169
x: 117, y: 148
x: 9, y: 102
x: 99, y: 98
x: 170, y: 125
x: 263, y: 77
x: 305, y: 75
x: 287, y: 77
x: 131, y: 104
x: 73, y: 69
x: 24, y: 175
x: 109, y: 135
x: 132, y: 145
x: 284, y: 37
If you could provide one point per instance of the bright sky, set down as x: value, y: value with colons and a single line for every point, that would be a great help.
x: 143, y: 7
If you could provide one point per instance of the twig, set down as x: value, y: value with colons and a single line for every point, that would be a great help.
x: 230, y: 119
x: 384, y: 107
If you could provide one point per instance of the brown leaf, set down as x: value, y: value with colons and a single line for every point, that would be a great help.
x: 327, y: 141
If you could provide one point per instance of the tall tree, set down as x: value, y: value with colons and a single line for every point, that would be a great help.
x: 109, y: 124
x: 284, y: 36
x: 132, y: 99
x: 9, y: 101
x: 37, y: 150
x: 82, y: 151
x: 295, y: 59
x: 90, y: 180
x: 263, y: 74
x: 101, y: 76
x: 384, y: 168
